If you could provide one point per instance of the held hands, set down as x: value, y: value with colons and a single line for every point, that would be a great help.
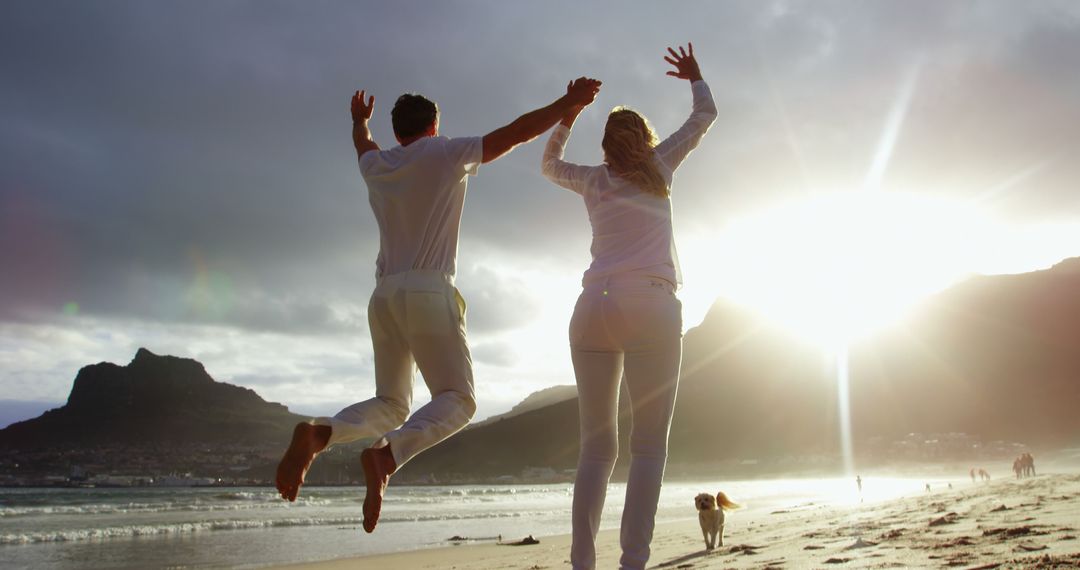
x: 579, y: 94
x: 582, y: 91
x: 360, y: 111
x: 686, y: 66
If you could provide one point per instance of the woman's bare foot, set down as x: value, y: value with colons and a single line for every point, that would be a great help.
x: 379, y: 465
x: 307, y: 441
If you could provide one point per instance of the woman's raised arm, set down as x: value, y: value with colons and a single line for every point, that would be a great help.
x: 674, y: 149
x: 568, y: 175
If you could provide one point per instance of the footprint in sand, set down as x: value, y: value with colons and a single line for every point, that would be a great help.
x: 956, y: 542
x: 891, y: 534
x: 860, y: 543
x: 1007, y: 533
x: 948, y: 518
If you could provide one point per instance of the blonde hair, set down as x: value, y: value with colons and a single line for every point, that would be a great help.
x: 628, y: 148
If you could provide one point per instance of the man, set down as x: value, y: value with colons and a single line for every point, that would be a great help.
x: 416, y: 315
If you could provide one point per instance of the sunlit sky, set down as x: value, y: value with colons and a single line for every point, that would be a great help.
x: 179, y: 175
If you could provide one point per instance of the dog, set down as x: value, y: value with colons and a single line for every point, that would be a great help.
x: 711, y: 517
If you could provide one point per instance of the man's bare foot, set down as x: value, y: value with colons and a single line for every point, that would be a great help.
x: 307, y: 441
x: 379, y: 465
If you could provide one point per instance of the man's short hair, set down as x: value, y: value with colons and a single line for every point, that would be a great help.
x: 412, y: 115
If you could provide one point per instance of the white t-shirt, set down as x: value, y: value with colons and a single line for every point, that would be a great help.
x: 632, y: 233
x: 417, y: 192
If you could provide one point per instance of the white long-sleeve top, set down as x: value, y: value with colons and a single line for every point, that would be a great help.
x: 632, y: 232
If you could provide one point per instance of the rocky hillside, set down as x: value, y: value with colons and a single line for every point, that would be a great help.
x: 154, y: 400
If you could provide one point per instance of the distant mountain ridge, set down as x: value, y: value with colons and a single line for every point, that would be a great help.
x: 539, y: 399
x: 154, y: 400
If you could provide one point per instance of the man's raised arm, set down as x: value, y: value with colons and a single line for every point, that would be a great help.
x: 361, y: 113
x: 579, y: 93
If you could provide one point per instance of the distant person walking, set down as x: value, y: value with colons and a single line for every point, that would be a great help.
x: 627, y: 319
x: 416, y: 314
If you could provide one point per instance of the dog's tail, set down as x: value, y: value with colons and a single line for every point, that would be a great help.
x: 725, y: 503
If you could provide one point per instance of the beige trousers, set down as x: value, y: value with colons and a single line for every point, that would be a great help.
x: 417, y: 320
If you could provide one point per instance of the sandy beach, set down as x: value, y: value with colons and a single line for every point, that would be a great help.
x: 1030, y: 523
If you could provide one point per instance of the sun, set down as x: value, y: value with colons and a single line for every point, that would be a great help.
x: 833, y: 267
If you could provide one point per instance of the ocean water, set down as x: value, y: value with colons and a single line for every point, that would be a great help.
x: 252, y: 527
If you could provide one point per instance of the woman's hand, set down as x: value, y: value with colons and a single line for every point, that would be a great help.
x: 686, y: 66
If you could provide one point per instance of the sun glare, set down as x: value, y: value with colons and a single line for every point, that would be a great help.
x: 833, y: 267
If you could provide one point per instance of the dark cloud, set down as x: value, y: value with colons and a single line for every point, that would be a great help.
x: 495, y: 302
x: 180, y: 163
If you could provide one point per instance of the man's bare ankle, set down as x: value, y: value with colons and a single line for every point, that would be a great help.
x: 321, y: 436
x: 387, y: 457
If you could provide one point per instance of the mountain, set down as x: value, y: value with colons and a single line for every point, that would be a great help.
x: 154, y: 400
x: 539, y: 399
x: 994, y: 357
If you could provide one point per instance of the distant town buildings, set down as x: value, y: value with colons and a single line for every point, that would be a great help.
x: 234, y: 465
x: 936, y: 447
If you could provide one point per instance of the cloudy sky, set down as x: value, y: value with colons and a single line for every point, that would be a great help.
x: 180, y: 175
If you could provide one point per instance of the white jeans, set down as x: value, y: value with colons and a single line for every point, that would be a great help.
x: 417, y: 319
x: 631, y: 326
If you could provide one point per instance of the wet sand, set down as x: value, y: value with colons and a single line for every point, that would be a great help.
x: 1030, y: 523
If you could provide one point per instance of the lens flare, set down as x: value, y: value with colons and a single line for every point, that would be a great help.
x: 211, y: 292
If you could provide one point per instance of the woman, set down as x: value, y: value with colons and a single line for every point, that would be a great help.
x: 627, y: 318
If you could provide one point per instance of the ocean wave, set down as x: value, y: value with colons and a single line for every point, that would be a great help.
x: 131, y: 531
x: 166, y: 507
x: 246, y: 496
x: 445, y: 516
x: 266, y: 500
x: 502, y: 491
x: 173, y: 529
x: 486, y: 495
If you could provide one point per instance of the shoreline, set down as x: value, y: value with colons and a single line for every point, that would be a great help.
x: 1033, y: 523
x: 679, y: 473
